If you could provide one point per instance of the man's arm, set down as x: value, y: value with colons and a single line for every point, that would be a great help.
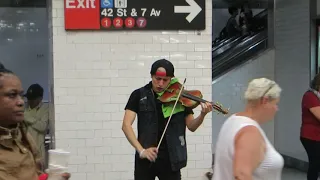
x: 131, y: 110
x: 194, y: 123
x: 128, y: 120
x: 40, y: 122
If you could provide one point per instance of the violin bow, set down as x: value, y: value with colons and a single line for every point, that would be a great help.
x: 165, y: 129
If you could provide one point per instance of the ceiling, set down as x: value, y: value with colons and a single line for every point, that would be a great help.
x: 216, y: 3
x: 23, y: 3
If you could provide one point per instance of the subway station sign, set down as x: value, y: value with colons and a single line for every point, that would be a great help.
x: 134, y: 14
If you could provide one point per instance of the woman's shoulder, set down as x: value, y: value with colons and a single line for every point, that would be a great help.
x: 308, y: 95
x: 237, y: 122
x: 241, y: 119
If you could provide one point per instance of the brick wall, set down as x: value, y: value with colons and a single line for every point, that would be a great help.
x: 94, y: 74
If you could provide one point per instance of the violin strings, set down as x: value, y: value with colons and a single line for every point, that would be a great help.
x: 182, y: 87
x: 216, y: 106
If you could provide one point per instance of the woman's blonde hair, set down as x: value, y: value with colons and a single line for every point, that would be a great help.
x: 262, y: 87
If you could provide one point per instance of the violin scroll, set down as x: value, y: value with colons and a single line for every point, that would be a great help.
x: 219, y: 108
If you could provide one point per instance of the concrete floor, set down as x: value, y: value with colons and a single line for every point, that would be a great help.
x: 292, y: 174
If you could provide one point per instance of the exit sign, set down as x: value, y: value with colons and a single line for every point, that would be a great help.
x: 135, y: 14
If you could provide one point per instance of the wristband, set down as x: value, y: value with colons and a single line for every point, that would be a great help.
x: 140, y: 154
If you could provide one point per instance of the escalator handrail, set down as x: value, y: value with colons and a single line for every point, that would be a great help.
x: 225, y: 47
x: 236, y: 52
x: 223, y: 41
x: 220, y: 51
x: 240, y: 51
x: 238, y: 59
x: 247, y: 41
x: 236, y: 39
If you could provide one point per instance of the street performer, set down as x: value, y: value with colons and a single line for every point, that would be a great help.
x: 166, y: 161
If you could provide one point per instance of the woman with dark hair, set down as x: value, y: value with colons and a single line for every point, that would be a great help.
x: 310, y: 127
x: 19, y: 157
x: 246, y: 18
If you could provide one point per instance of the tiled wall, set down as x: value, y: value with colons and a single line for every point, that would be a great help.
x: 94, y: 74
x: 292, y: 72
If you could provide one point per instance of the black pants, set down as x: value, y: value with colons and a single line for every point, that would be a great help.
x: 145, y: 170
x: 313, y: 151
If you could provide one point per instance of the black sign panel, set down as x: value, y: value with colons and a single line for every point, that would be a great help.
x: 152, y: 14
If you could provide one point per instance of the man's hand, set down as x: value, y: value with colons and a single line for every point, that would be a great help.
x: 150, y: 153
x: 206, y: 108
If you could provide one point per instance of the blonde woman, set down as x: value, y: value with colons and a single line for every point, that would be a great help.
x: 243, y: 151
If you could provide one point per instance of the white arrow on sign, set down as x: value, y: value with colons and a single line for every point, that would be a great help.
x: 193, y: 9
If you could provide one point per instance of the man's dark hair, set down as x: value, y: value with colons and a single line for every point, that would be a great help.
x: 232, y: 10
x: 167, y: 65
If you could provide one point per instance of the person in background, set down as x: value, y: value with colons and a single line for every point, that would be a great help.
x: 19, y: 156
x: 232, y: 27
x: 310, y: 127
x: 165, y: 162
x: 243, y: 151
x: 36, y: 117
x: 246, y: 19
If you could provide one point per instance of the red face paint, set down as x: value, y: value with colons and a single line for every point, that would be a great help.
x: 160, y: 73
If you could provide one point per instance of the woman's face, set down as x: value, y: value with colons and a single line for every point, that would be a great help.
x: 11, y: 100
x: 270, y: 108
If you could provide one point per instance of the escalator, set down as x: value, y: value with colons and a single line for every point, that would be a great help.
x: 231, y: 52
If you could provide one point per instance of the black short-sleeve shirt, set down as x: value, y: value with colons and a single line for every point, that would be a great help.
x: 133, y: 105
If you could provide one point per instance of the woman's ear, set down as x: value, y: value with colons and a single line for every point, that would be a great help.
x: 264, y: 100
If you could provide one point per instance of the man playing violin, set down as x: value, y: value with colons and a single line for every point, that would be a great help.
x: 165, y: 162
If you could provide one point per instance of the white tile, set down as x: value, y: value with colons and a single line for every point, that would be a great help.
x: 94, y: 74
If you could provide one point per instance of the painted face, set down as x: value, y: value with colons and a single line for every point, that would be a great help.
x: 160, y: 80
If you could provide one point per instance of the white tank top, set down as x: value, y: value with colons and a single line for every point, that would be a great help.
x: 269, y: 169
